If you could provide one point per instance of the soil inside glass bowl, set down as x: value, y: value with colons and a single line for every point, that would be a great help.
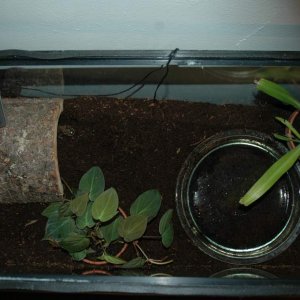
x: 218, y: 183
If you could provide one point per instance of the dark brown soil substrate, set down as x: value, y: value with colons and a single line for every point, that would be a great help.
x: 139, y: 145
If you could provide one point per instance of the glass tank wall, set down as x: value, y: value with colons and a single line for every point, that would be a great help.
x: 139, y: 116
x: 191, y: 75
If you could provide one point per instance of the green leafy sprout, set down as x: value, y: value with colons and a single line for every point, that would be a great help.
x: 284, y: 163
x: 92, y: 224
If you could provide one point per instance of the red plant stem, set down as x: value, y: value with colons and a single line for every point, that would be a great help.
x: 101, y: 263
x: 91, y: 272
x: 94, y: 262
x: 288, y: 132
x: 123, y: 213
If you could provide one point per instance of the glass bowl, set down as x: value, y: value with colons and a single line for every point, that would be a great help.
x: 214, y: 177
x: 244, y: 273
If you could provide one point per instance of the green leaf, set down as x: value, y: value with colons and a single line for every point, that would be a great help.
x: 86, y: 220
x: 58, y: 228
x: 133, y: 227
x: 137, y: 262
x: 79, y: 255
x: 92, y: 182
x: 277, y: 91
x: 166, y: 228
x: 65, y: 209
x: 112, y: 259
x: 285, y: 138
x: 168, y: 235
x: 105, y: 207
x: 165, y: 220
x: 287, y: 124
x: 79, y: 204
x: 52, y: 210
x: 270, y: 177
x: 75, y: 243
x: 110, y: 231
x: 148, y: 204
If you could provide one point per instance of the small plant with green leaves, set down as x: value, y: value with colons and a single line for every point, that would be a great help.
x: 283, y: 164
x: 93, y: 224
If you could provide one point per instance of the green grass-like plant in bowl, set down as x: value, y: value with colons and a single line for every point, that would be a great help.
x: 283, y: 164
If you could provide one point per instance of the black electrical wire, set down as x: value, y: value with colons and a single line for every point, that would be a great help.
x: 171, y: 56
x: 135, y: 91
x: 140, y: 82
x: 104, y: 95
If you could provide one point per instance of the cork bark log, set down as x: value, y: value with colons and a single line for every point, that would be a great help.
x: 29, y: 169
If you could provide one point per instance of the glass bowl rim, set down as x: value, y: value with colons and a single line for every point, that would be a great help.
x: 253, y: 256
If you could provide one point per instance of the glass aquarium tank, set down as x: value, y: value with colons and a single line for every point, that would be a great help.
x: 122, y: 171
